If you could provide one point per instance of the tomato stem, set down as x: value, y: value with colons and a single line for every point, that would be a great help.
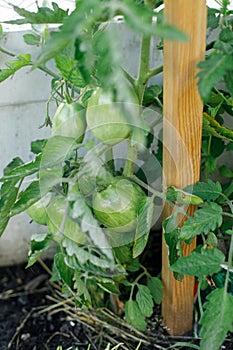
x: 143, y: 68
x: 154, y: 71
x: 109, y: 158
x: 139, y: 85
x: 131, y: 159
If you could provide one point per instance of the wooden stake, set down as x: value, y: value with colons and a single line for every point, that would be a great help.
x: 181, y: 140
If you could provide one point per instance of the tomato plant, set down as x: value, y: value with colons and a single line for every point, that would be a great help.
x: 95, y: 193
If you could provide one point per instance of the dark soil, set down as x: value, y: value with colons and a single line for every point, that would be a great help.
x: 27, y: 320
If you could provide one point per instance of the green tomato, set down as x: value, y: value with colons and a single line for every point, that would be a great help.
x: 106, y: 119
x: 70, y: 121
x: 59, y: 222
x: 38, y: 210
x: 116, y: 206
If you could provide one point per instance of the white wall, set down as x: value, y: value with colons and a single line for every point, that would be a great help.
x: 22, y: 111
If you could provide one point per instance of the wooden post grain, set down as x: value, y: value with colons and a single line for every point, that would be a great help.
x: 181, y: 140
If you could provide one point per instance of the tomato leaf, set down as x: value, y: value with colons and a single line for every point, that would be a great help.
x: 23, y: 170
x: 43, y: 15
x: 65, y: 272
x: 31, y: 39
x: 38, y: 145
x: 26, y: 198
x: 134, y: 316
x: 156, y: 289
x: 14, y: 65
x: 216, y: 320
x: 14, y: 163
x: 228, y: 78
x: 173, y: 242
x: 80, y: 287
x: 200, y: 264
x: 84, y: 256
x: 205, y: 220
x: 56, y: 150
x: 212, y: 127
x: 67, y: 66
x: 140, y: 19
x: 212, y: 71
x: 208, y: 191
x: 39, y: 243
x: 90, y: 225
x: 6, y: 203
x: 75, y: 23
x: 144, y: 300
x: 93, y: 174
x: 144, y: 222
x: 226, y: 171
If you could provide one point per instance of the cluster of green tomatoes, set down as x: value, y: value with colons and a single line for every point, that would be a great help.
x: 116, y: 205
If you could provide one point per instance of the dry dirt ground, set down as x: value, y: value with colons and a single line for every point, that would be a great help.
x: 33, y: 316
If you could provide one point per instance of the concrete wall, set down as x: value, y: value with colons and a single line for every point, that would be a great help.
x: 22, y: 111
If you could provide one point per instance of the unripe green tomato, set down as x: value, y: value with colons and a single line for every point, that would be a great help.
x: 116, y: 206
x: 58, y: 221
x: 107, y: 120
x: 70, y: 121
x: 38, y: 210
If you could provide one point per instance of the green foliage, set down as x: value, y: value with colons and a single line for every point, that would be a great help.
x: 156, y: 288
x: 26, y: 198
x: 39, y: 243
x: 144, y: 222
x: 13, y: 66
x: 219, y: 309
x: 199, y: 264
x: 92, y: 261
x: 205, y: 220
x: 134, y: 316
x: 31, y: 39
x: 212, y: 127
x: 208, y: 191
x: 218, y: 65
x: 43, y: 15
x: 212, y: 71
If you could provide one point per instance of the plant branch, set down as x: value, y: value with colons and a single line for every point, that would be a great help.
x: 144, y: 67
x: 128, y: 76
x: 155, y: 71
x: 7, y: 52
x: 131, y: 159
x: 42, y: 68
x: 139, y: 85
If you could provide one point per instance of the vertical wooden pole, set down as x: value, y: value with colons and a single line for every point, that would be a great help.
x: 182, y: 139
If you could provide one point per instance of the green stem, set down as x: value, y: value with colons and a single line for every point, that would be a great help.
x: 199, y: 297
x: 135, y: 283
x: 155, y: 71
x: 128, y: 76
x: 229, y: 266
x: 144, y: 67
x: 148, y: 188
x: 7, y: 52
x: 42, y: 68
x: 131, y: 159
x: 227, y: 214
x: 139, y: 85
x: 109, y: 158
